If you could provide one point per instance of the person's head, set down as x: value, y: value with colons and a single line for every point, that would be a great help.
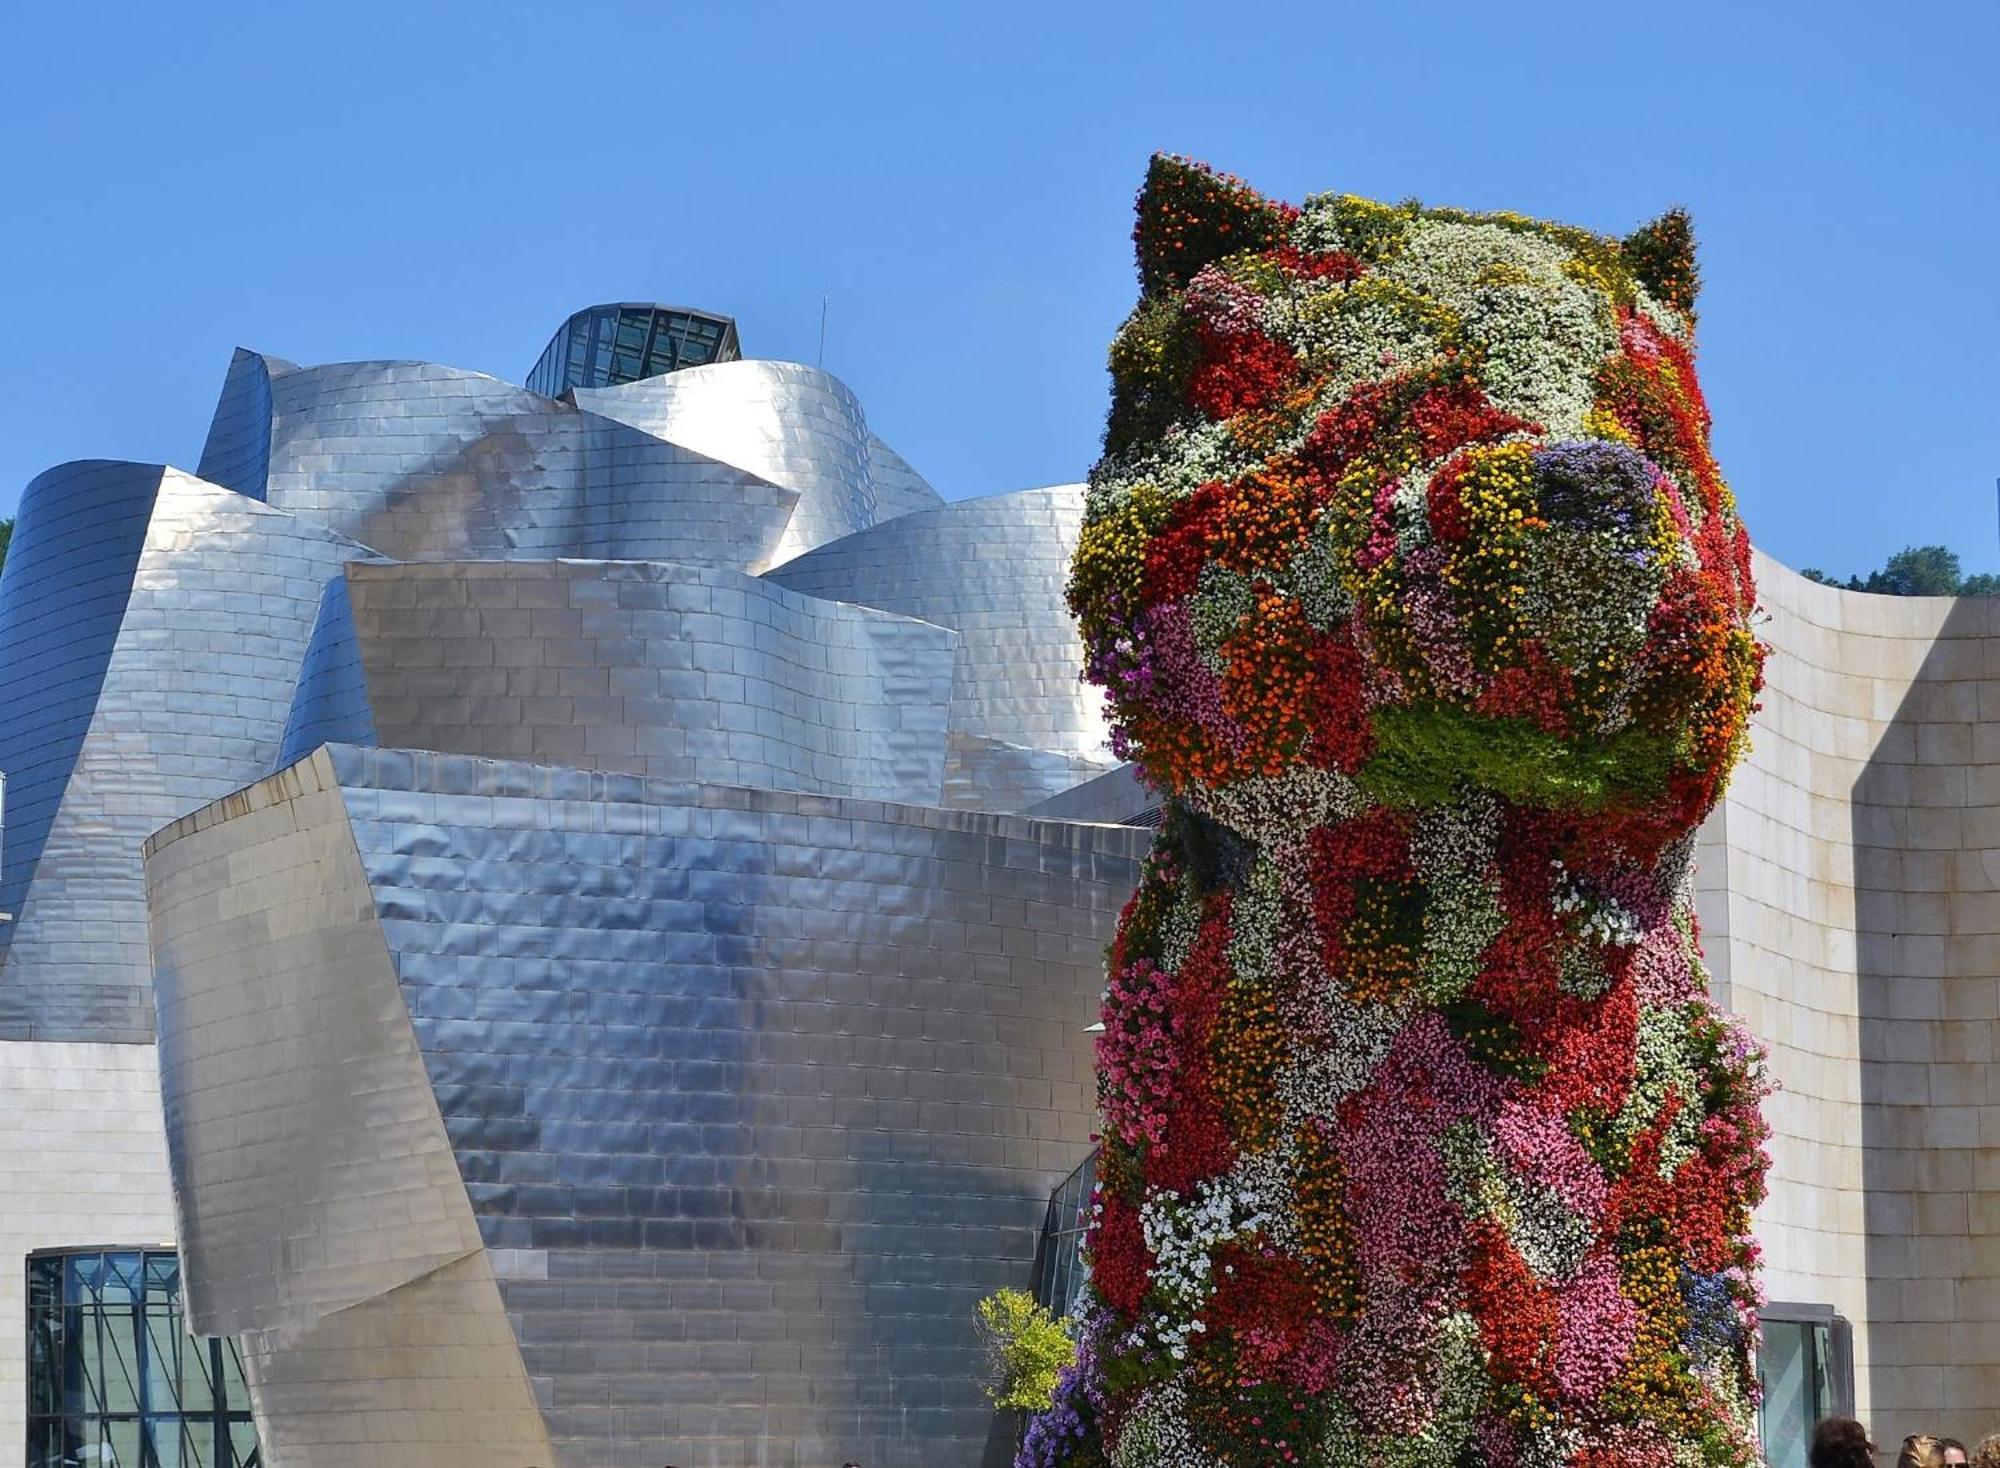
x: 1841, y: 1442
x: 1920, y: 1450
x: 1952, y: 1452
x: 1987, y: 1454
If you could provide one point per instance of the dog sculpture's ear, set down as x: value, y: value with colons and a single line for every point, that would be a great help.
x: 1661, y: 255
x: 1190, y: 215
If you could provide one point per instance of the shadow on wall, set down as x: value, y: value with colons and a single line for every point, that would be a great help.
x: 1926, y: 831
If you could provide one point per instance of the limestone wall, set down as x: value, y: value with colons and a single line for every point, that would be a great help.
x: 1851, y: 905
x: 83, y: 1161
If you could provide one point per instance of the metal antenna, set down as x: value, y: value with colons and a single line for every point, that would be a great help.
x: 821, y: 361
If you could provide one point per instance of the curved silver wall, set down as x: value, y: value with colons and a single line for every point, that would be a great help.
x: 151, y: 627
x: 748, y: 1095
x: 737, y: 464
x: 675, y: 672
x: 784, y: 422
x: 994, y: 569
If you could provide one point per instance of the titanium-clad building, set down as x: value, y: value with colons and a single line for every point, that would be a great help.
x: 610, y: 1007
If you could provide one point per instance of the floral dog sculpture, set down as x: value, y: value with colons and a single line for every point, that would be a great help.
x: 1414, y: 588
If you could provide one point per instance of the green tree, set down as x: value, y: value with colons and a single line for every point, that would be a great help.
x: 1918, y: 570
x: 1026, y: 1347
x: 1915, y: 570
x: 6, y: 536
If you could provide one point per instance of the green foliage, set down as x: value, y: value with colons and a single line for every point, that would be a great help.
x: 1422, y: 755
x: 6, y: 538
x: 1026, y: 1347
x: 1151, y: 359
x: 1915, y: 570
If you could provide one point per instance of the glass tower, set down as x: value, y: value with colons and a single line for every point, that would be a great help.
x: 113, y: 1375
x: 602, y: 346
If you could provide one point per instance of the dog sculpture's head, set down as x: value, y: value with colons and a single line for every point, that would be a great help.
x: 1407, y: 502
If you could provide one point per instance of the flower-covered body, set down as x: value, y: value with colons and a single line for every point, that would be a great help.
x: 1411, y: 582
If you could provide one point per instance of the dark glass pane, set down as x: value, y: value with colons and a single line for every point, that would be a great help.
x: 632, y: 332
x: 163, y: 1273
x: 124, y: 1279
x: 44, y: 1284
x: 85, y: 1271
x: 243, y: 1446
x: 45, y: 1444
x: 79, y: 1331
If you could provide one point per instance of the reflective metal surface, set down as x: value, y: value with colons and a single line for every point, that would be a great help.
x: 786, y: 423
x: 677, y: 672
x: 592, y: 1111
x: 994, y: 569
x: 151, y: 627
x: 750, y: 1095
x: 736, y: 464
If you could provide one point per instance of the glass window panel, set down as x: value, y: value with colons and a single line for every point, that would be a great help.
x: 123, y: 1280
x: 121, y: 1443
x: 120, y: 1331
x: 115, y: 1379
x: 85, y: 1270
x: 44, y: 1284
x: 632, y: 331
x: 1789, y: 1409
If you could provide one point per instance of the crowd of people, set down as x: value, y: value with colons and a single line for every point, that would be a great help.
x: 1841, y: 1442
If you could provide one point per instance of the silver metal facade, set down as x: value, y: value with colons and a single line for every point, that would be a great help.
x: 151, y: 627
x: 676, y: 672
x: 750, y: 1096
x: 669, y: 1095
x: 1025, y: 726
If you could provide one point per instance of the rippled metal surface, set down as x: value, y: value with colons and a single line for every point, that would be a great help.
x: 751, y: 1093
x: 676, y: 672
x: 322, y: 1218
x: 151, y: 626
x: 737, y: 464
x: 994, y: 569
x: 785, y: 422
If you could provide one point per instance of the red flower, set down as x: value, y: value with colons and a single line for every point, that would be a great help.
x: 1121, y: 1266
x: 1239, y: 371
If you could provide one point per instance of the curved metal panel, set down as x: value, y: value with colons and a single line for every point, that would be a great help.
x: 786, y: 423
x: 994, y: 569
x: 330, y: 701
x: 420, y: 461
x: 77, y: 539
x: 237, y: 453
x: 187, y: 704
x: 755, y: 1092
x: 676, y: 672
x: 321, y: 1215
x: 899, y: 489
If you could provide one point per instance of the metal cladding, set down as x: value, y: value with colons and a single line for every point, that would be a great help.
x: 739, y: 464
x: 151, y: 627
x: 676, y: 672
x: 1024, y: 726
x: 703, y: 1114
x: 787, y: 423
x: 669, y: 1095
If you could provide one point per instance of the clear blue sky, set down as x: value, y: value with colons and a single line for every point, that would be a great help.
x: 356, y: 179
